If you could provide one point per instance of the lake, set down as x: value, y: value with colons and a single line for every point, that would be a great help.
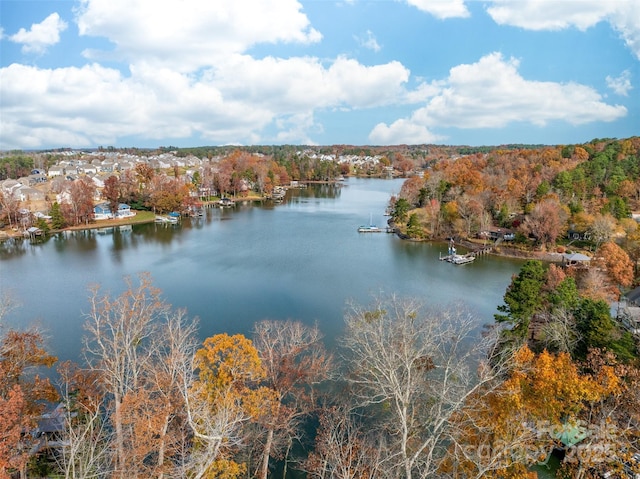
x: 301, y: 260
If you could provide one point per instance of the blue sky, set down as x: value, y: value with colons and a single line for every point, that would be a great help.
x: 151, y: 73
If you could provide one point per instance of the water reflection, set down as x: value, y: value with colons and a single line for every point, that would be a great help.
x: 302, y: 259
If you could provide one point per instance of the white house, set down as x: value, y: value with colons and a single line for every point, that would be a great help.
x: 102, y: 211
x: 56, y: 170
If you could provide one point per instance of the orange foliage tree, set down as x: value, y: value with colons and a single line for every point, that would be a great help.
x: 617, y: 265
x: 542, y: 404
x: 22, y: 395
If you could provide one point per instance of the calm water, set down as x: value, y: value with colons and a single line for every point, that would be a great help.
x: 300, y: 260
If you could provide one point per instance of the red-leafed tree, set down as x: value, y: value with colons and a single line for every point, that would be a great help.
x: 546, y: 222
x: 79, y: 209
x: 111, y: 192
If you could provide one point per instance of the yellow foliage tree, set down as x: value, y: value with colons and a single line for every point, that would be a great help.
x: 223, y: 398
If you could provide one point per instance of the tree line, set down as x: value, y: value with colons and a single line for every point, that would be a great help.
x: 540, y: 194
x: 410, y: 392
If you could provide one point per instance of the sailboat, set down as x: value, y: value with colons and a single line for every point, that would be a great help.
x: 371, y: 228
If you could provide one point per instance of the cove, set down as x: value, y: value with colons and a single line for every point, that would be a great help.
x: 302, y: 260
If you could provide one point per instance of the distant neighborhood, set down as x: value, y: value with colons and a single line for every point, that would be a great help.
x: 35, y: 192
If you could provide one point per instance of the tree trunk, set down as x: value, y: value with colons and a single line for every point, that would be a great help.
x: 120, y: 453
x: 264, y: 469
x: 162, y: 447
x: 286, y: 461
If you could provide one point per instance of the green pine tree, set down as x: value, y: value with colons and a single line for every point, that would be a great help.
x: 57, y: 219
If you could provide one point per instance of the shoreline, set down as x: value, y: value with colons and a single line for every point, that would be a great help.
x: 145, y: 217
x: 501, y: 251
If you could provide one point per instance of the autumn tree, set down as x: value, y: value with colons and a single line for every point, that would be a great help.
x: 86, y: 435
x: 471, y: 211
x: 22, y: 391
x: 414, y: 368
x: 345, y: 448
x: 542, y: 404
x: 79, y: 209
x: 220, y: 401
x: 9, y: 207
x: 111, y: 192
x: 617, y: 265
x: 167, y: 194
x: 144, y: 174
x: 141, y: 350
x: 618, y: 417
x: 295, y: 363
x: 602, y: 229
x: 546, y: 222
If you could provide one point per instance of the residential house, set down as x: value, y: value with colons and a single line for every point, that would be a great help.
x: 9, y: 187
x: 56, y: 170
x: 628, y: 312
x: 87, y: 169
x: 102, y: 211
x: 495, y: 234
x: 26, y: 193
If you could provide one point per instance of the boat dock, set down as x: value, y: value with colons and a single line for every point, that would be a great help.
x: 453, y: 257
x: 459, y: 258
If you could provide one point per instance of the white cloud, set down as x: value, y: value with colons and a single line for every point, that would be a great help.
x: 623, y: 15
x: 41, y: 35
x: 369, y: 41
x: 190, y: 77
x: 402, y: 132
x: 620, y: 85
x: 441, y: 8
x: 232, y: 103
x: 189, y: 34
x: 492, y: 94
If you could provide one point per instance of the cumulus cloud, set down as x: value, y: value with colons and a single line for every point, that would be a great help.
x: 231, y: 103
x: 620, y: 85
x: 441, y: 8
x: 189, y: 34
x: 623, y: 16
x: 402, y: 132
x: 491, y: 93
x: 41, y: 35
x: 189, y: 76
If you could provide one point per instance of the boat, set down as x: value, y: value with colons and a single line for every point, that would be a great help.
x: 461, y: 259
x: 166, y: 219
x: 455, y: 258
x: 371, y: 228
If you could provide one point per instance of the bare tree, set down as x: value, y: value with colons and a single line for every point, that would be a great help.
x: 140, y: 349
x: 295, y: 360
x: 418, y: 368
x: 86, y: 441
x: 9, y: 207
x: 602, y: 229
x: 560, y: 333
x: 345, y: 448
